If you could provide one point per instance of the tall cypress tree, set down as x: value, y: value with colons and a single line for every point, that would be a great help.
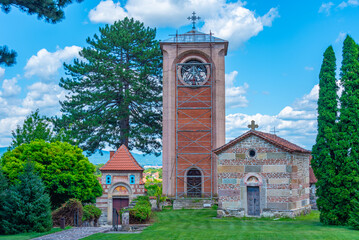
x: 347, y: 152
x: 116, y: 93
x: 323, y: 161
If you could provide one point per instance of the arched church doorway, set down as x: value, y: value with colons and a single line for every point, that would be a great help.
x: 194, y: 183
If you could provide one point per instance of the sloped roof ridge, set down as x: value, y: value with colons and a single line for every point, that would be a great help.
x: 118, y: 163
x: 274, y: 139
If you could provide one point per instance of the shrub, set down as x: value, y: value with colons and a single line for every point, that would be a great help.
x: 26, y: 207
x: 64, y: 170
x: 91, y: 213
x: 68, y: 211
x: 141, y: 212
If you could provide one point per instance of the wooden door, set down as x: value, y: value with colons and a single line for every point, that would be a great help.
x: 118, y: 204
x: 253, y: 201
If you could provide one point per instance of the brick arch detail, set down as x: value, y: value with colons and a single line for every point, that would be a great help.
x: 248, y: 175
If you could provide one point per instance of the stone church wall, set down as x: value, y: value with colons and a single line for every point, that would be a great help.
x: 283, y: 178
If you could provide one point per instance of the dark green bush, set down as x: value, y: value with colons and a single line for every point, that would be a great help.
x: 91, y: 213
x: 25, y: 206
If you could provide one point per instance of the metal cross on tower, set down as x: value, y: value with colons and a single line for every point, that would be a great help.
x: 193, y: 18
x: 253, y: 125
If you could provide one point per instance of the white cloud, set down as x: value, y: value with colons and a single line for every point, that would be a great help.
x: 231, y: 21
x: 107, y: 12
x: 2, y: 72
x: 44, y: 96
x: 238, y: 24
x: 349, y: 3
x: 340, y: 37
x: 296, y: 123
x: 307, y: 68
x: 46, y: 64
x: 235, y: 95
x: 10, y: 88
x: 325, y: 8
x: 13, y: 111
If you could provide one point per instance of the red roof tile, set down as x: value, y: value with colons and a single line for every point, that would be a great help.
x: 274, y: 139
x: 122, y: 160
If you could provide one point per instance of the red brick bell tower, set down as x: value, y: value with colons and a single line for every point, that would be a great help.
x: 193, y: 112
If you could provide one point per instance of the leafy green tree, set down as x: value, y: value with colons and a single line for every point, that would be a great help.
x: 63, y: 168
x: 50, y: 10
x: 98, y: 166
x: 35, y: 127
x: 347, y: 152
x: 27, y: 207
x: 323, y: 161
x: 115, y: 94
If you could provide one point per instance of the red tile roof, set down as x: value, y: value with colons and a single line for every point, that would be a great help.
x: 122, y: 160
x: 273, y: 139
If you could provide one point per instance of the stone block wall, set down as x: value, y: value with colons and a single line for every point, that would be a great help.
x: 283, y: 176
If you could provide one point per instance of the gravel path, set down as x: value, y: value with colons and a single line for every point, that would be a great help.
x: 74, y: 233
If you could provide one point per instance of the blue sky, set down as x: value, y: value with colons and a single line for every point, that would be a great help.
x: 272, y: 65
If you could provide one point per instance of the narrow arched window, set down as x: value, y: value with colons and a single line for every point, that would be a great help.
x: 108, y: 179
x: 132, y: 179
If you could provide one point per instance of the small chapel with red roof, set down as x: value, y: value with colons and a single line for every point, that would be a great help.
x: 121, y: 182
x: 261, y: 174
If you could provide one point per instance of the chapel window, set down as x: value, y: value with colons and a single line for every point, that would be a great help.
x: 252, y: 152
x: 132, y: 179
x: 108, y: 179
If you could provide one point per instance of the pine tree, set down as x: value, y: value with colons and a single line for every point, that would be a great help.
x: 116, y: 92
x: 3, y: 188
x: 27, y: 207
x: 347, y: 152
x: 7, y: 57
x: 323, y: 161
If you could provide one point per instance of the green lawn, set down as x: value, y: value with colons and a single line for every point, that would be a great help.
x: 25, y: 236
x: 199, y: 224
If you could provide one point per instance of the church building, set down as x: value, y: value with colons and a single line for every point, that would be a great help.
x: 261, y: 174
x: 256, y: 174
x: 121, y: 182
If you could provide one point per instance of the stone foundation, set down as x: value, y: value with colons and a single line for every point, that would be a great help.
x: 192, y: 203
x: 267, y: 212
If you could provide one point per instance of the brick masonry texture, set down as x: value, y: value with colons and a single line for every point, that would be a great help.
x: 283, y: 177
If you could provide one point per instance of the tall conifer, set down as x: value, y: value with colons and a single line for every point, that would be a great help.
x: 323, y: 152
x: 26, y: 206
x: 116, y: 94
x: 347, y: 152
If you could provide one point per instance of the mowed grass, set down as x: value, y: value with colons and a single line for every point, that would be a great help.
x: 200, y: 224
x: 25, y: 236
